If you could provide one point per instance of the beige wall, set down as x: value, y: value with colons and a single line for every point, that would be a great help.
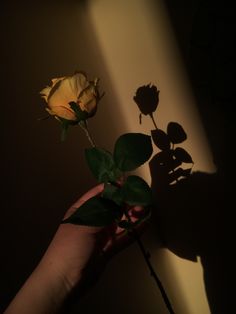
x: 139, y: 47
x: 126, y: 44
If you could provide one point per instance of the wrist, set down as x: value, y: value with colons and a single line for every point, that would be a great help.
x: 45, y: 291
x: 55, y: 277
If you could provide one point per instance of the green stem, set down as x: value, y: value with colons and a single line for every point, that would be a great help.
x: 147, y: 256
x: 84, y: 126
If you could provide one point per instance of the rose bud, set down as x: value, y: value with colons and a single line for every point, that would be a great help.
x: 74, y: 89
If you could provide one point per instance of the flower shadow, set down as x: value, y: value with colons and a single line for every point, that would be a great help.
x: 190, y: 208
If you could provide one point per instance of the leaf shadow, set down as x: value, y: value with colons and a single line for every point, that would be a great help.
x: 191, y: 211
x: 190, y: 218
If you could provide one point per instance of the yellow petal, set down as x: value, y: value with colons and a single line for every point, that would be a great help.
x: 62, y: 112
x: 75, y: 88
x: 62, y: 94
x: 67, y: 90
x: 78, y: 83
x: 55, y: 80
x: 88, y: 99
x: 45, y: 92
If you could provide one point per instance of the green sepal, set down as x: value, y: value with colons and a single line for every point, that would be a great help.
x: 101, y: 164
x: 132, y: 150
x: 65, y: 126
x: 97, y: 212
x: 80, y: 114
x: 64, y: 130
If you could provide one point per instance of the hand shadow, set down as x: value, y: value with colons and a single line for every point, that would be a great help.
x: 191, y: 212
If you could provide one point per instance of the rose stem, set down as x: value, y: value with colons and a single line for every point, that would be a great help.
x: 84, y: 126
x: 147, y: 256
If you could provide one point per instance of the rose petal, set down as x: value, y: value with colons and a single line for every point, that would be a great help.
x: 57, y: 79
x: 64, y: 90
x: 67, y: 90
x: 79, y: 82
x: 88, y: 99
x: 62, y: 112
x: 45, y: 92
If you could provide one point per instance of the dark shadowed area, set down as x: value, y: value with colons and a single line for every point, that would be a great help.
x: 41, y: 176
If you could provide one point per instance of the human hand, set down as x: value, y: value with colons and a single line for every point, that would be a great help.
x: 74, y: 252
x: 77, y: 250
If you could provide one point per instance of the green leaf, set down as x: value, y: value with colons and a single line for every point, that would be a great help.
x: 136, y: 191
x: 182, y: 155
x: 113, y: 193
x: 101, y: 164
x: 132, y: 150
x: 80, y: 114
x: 96, y: 211
x: 176, y: 133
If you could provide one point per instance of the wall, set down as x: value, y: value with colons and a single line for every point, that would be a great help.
x: 125, y: 44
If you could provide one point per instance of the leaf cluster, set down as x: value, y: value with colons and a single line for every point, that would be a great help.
x: 131, y: 150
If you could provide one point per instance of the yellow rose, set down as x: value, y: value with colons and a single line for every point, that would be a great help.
x: 65, y: 90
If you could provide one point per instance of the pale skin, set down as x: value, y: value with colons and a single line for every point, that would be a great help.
x: 63, y: 265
